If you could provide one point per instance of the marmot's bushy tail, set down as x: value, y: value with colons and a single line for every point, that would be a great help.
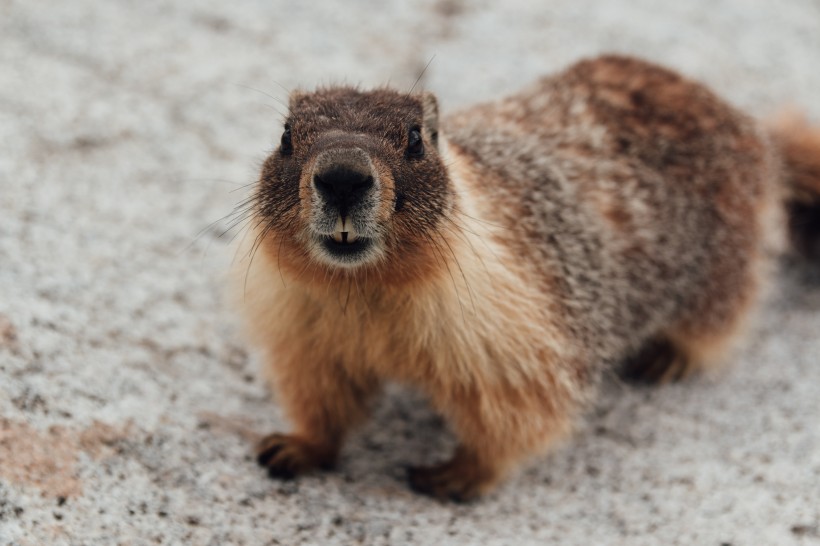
x: 799, y: 143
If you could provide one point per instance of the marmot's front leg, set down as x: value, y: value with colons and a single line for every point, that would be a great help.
x: 498, y: 426
x: 323, y: 402
x: 464, y: 477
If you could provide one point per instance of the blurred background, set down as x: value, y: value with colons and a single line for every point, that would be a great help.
x: 128, y: 401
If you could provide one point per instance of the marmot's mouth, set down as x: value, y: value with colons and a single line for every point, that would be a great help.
x: 344, y: 237
x: 345, y: 244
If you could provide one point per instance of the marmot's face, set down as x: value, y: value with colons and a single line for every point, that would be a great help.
x: 357, y: 180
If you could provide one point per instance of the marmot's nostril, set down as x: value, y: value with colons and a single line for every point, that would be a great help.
x: 322, y: 187
x: 342, y: 184
x: 364, y: 184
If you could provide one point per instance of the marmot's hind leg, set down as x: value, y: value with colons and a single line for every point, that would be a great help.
x: 689, y: 348
x: 702, y: 337
x: 658, y: 361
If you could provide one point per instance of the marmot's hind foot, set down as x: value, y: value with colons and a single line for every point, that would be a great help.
x: 659, y: 361
x: 286, y: 456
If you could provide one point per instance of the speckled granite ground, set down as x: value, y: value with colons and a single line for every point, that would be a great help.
x: 127, y: 400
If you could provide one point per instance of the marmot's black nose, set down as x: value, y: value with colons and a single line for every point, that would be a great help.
x: 342, y: 186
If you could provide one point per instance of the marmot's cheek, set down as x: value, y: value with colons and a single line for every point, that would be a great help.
x: 386, y: 191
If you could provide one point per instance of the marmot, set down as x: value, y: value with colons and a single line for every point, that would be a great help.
x: 613, y: 216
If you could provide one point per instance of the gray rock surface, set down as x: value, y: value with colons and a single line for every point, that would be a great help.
x: 128, y: 402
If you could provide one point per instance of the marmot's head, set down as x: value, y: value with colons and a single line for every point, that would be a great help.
x: 357, y: 182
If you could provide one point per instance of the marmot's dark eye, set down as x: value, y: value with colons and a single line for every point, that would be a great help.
x: 286, y: 146
x: 415, y: 146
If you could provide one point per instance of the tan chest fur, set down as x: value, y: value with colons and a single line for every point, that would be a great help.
x: 484, y: 319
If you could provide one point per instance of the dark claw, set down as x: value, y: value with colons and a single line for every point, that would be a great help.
x: 286, y: 456
x: 280, y: 473
x: 265, y: 456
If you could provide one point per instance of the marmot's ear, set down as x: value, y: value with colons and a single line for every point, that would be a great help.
x: 430, y: 113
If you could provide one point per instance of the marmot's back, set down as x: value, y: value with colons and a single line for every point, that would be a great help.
x: 646, y: 188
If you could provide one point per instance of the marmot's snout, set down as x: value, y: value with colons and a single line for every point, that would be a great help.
x: 343, y: 186
x: 346, y: 195
x: 344, y: 182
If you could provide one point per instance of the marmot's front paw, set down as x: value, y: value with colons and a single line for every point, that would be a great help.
x: 285, y: 456
x: 460, y: 479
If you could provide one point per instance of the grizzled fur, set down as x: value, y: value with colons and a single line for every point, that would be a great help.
x: 613, y: 215
x: 639, y: 193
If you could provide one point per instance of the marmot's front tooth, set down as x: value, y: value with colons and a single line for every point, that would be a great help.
x: 337, y: 236
x: 351, y: 236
